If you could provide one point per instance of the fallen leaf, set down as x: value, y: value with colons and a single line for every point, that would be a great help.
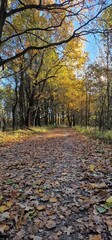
x: 21, y: 234
x: 64, y: 173
x: 97, y: 185
x: 35, y: 237
x: 9, y: 181
x: 45, y: 199
x: 40, y: 207
x: 5, y: 215
x: 4, y: 228
x: 95, y: 237
x: 101, y: 209
x: 50, y: 224
x: 10, y: 203
x: 92, y: 167
x: 20, y: 220
x: 109, y: 200
x: 68, y: 230
x: 1, y: 197
x: 53, y: 200
x: 3, y: 208
x: 108, y: 221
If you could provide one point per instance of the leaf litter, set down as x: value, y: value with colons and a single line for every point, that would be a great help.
x: 56, y: 187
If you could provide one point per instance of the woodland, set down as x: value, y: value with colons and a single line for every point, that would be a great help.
x: 55, y: 120
x: 46, y: 76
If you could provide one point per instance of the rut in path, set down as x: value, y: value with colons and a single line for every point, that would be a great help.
x: 53, y: 187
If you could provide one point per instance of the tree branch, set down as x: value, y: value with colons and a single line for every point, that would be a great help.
x: 50, y: 28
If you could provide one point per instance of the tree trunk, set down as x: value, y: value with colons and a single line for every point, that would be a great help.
x: 21, y: 99
x: 27, y: 119
x: 108, y: 86
x: 63, y: 117
x: 58, y: 118
x: 15, y: 105
x: 74, y: 119
x: 86, y: 117
x: 13, y: 117
x: 38, y: 121
x: 3, y: 8
x: 69, y: 120
x: 46, y: 112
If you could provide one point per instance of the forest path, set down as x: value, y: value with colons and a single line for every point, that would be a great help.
x: 52, y: 187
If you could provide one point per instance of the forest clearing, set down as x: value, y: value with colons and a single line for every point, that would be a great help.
x: 56, y: 185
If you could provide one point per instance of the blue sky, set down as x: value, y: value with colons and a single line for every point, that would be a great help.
x: 92, y: 47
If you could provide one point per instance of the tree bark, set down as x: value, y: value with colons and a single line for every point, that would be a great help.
x: 3, y: 8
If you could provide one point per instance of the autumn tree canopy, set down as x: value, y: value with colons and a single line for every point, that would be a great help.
x: 51, y: 22
x: 46, y: 76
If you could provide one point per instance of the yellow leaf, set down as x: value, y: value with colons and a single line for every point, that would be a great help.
x: 3, y: 208
x: 91, y: 167
x: 10, y: 203
x: 40, y: 190
x: 53, y: 200
x: 1, y: 197
x: 109, y: 200
x: 97, y: 185
x: 40, y: 207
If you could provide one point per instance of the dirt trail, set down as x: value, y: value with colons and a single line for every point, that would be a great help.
x: 54, y: 187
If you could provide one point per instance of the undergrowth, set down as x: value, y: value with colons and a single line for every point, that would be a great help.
x: 94, y: 133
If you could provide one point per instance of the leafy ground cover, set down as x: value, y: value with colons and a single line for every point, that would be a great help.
x: 105, y: 136
x: 56, y: 186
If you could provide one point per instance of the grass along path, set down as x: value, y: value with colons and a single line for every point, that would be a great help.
x: 94, y: 133
x: 9, y: 137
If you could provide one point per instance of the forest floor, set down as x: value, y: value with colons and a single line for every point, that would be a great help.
x: 56, y: 186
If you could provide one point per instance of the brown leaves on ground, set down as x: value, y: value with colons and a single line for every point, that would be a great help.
x: 95, y: 237
x: 56, y: 187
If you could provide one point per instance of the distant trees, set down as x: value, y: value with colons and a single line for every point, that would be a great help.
x: 97, y: 93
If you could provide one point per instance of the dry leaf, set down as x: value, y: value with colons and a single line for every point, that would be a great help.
x: 35, y: 237
x: 68, y: 230
x: 4, y: 228
x: 95, y: 237
x: 98, y: 185
x: 10, y: 203
x: 21, y: 234
x: 50, y: 224
x: 108, y: 221
x: 40, y: 207
x: 3, y: 208
x: 53, y: 200
x: 20, y: 220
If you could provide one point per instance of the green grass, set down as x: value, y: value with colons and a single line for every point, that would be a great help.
x: 20, y: 135
x: 94, y: 133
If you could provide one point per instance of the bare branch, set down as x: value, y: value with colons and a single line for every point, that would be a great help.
x: 77, y: 32
x: 16, y: 32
